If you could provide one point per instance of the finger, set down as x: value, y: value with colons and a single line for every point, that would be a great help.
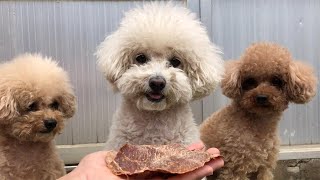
x: 216, y: 163
x: 157, y: 178
x: 99, y: 157
x: 200, y: 173
x: 214, y: 151
x: 196, y: 146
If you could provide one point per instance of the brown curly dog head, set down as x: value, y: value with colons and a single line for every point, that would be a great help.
x: 266, y: 79
x: 36, y: 98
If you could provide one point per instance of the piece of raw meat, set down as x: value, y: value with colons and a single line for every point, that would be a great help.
x: 154, y: 160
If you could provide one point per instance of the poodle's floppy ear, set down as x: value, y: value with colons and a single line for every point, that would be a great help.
x: 302, y: 83
x: 231, y: 82
x: 113, y: 58
x: 8, y: 105
x: 68, y: 103
x: 206, y: 73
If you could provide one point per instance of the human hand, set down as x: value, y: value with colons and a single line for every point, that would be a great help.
x: 94, y: 167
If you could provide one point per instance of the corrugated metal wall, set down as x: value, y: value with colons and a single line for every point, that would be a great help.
x: 71, y: 30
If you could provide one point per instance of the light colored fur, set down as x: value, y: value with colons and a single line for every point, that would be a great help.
x: 147, y: 127
x: 245, y: 133
x: 160, y: 31
x: 25, y: 151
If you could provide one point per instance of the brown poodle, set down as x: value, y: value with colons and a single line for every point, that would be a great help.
x: 261, y: 84
x: 35, y: 100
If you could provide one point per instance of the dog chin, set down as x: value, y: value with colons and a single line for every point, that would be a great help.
x: 145, y: 103
x: 38, y: 137
x: 44, y: 137
x: 262, y: 110
x: 266, y: 109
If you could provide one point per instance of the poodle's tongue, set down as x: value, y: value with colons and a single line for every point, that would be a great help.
x: 155, y: 96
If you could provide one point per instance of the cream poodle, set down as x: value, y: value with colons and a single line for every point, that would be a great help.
x: 36, y: 99
x: 159, y: 59
x: 260, y: 84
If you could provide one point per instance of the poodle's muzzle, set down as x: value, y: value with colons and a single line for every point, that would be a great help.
x: 156, y: 84
x: 262, y: 99
x: 50, y: 124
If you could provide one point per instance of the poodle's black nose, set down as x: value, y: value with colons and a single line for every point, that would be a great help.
x: 262, y: 99
x: 50, y: 124
x: 157, y: 83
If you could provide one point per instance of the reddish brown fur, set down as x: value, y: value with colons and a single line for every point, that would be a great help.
x: 26, y: 150
x: 246, y: 131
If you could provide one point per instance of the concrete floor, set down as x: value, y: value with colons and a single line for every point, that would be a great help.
x: 302, y: 169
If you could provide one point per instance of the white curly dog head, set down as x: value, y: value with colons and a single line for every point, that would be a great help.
x: 160, y: 56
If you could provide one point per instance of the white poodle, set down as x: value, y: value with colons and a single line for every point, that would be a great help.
x: 159, y: 59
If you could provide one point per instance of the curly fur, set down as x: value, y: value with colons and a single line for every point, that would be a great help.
x: 29, y: 85
x: 246, y: 131
x: 160, y: 31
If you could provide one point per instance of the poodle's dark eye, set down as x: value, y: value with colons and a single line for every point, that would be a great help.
x: 54, y: 105
x: 249, y: 83
x: 175, y: 62
x: 277, y: 82
x: 141, y: 58
x: 33, y: 107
